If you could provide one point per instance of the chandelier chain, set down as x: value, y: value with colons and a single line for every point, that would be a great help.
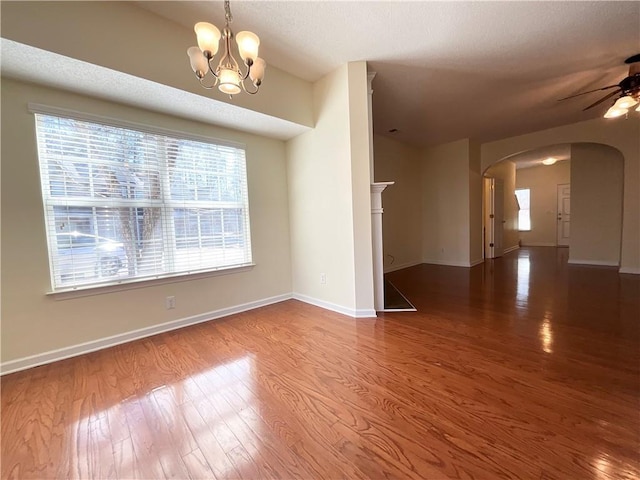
x: 228, y: 18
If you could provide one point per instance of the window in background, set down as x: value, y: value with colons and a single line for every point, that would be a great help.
x: 524, y: 203
x: 122, y: 204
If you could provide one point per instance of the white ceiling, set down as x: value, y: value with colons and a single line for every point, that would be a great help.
x: 447, y: 70
x: 534, y: 158
x: 71, y: 74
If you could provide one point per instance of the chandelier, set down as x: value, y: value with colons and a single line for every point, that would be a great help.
x: 227, y: 74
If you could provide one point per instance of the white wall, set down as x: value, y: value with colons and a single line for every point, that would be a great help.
x: 327, y: 176
x: 620, y: 133
x: 402, y: 202
x: 543, y: 181
x: 126, y: 38
x: 596, y: 204
x: 34, y: 323
x: 445, y: 204
x: 506, y: 171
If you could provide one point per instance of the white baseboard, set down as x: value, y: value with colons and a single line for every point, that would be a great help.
x: 451, y: 264
x: 350, y: 312
x: 538, y: 244
x: 599, y: 263
x: 393, y: 268
x: 632, y: 270
x: 476, y: 262
x: 510, y: 249
x: 88, y: 347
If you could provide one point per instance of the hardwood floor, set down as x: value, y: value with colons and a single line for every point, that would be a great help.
x: 524, y: 367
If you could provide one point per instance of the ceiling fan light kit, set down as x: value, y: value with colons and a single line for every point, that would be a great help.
x: 621, y: 107
x: 625, y: 102
x: 227, y: 75
x: 614, y: 112
x: 628, y: 91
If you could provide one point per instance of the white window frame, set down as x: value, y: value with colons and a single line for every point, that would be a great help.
x: 165, y: 204
x: 521, y: 209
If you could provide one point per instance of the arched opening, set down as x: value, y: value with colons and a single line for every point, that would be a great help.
x: 576, y: 202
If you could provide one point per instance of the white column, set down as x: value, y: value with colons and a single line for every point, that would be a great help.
x: 376, y: 235
x: 370, y: 77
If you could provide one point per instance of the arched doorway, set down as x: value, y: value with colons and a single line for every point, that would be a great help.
x: 595, y: 174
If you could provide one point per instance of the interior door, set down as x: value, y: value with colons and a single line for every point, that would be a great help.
x: 494, y: 191
x: 564, y: 214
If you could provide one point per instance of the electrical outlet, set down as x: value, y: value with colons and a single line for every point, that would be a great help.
x: 170, y: 302
x: 323, y: 279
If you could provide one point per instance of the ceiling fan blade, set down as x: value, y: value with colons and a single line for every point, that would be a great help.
x: 602, y: 100
x: 590, y: 91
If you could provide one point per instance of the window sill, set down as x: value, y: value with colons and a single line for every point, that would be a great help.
x: 124, y: 285
x: 525, y: 230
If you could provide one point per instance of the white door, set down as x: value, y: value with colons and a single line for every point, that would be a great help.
x: 564, y: 214
x: 494, y: 192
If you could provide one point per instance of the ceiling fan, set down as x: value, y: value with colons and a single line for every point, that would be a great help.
x: 628, y: 91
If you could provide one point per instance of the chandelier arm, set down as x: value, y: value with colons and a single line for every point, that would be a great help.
x: 249, y: 91
x: 204, y: 85
x: 228, y: 61
x: 248, y: 64
x: 212, y: 70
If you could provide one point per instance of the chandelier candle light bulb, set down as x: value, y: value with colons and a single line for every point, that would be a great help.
x: 199, y: 62
x: 227, y: 75
x: 208, y: 37
x: 248, y: 44
x: 257, y: 71
x: 229, y: 81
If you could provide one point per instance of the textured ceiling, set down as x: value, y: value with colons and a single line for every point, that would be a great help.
x: 447, y: 70
x: 89, y: 79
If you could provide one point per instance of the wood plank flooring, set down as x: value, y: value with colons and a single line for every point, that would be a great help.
x: 524, y: 367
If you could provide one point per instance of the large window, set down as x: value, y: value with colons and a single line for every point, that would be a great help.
x: 524, y: 214
x: 123, y: 205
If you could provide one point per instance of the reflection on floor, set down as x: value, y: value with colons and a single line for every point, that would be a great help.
x: 524, y: 367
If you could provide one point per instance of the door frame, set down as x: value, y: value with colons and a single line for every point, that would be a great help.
x: 489, y: 240
x: 559, y: 222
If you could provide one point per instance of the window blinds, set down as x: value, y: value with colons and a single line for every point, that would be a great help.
x: 122, y: 204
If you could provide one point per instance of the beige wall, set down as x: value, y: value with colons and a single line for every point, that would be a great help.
x: 326, y: 184
x: 445, y: 204
x: 475, y: 205
x: 126, y: 38
x: 402, y: 218
x: 596, y: 204
x: 619, y: 133
x: 506, y: 171
x: 543, y: 182
x: 359, y: 135
x: 33, y: 323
